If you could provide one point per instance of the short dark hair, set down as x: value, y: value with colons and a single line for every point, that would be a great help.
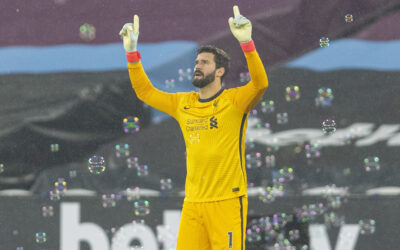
x: 221, y: 58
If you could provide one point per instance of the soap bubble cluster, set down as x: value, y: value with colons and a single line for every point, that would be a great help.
x: 282, y: 118
x: 348, y: 18
x: 87, y: 32
x: 54, y: 147
x: 244, y: 77
x: 367, y: 226
x: 292, y: 93
x: 324, y: 98
x: 131, y: 124
x: 328, y: 126
x: 97, y: 164
x: 371, y: 163
x: 324, y: 42
x: 122, y: 150
x: 40, y: 237
x: 142, y: 207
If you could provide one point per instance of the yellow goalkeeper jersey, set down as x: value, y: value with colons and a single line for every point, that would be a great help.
x: 214, y: 130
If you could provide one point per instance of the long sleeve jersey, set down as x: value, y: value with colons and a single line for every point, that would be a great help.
x: 214, y: 130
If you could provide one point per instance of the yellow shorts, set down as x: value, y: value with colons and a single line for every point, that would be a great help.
x: 213, y: 225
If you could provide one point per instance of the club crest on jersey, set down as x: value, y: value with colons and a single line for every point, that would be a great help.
x: 213, y: 122
x: 215, y: 104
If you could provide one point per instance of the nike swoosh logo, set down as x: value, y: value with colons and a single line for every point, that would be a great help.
x: 186, y: 107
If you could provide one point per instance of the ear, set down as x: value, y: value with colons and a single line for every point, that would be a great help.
x: 220, y: 71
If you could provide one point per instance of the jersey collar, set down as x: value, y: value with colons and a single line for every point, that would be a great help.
x: 212, y: 97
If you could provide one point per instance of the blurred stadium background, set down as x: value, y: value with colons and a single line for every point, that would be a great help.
x: 322, y: 146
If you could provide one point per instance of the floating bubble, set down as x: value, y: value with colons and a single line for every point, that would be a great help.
x: 284, y: 175
x: 254, y: 112
x: 60, y: 186
x: 111, y: 231
x: 270, y: 161
x: 87, y: 32
x: 283, y: 244
x: 142, y: 170
x: 372, y: 164
x: 367, y: 226
x: 282, y: 118
x: 310, y: 212
x: 244, y: 77
x: 54, y: 148
x: 132, y: 162
x: 272, y: 149
x: 271, y: 235
x: 348, y: 18
x: 267, y: 194
x: 250, y: 144
x: 109, y: 200
x: 132, y: 193
x: 170, y: 84
x: 324, y: 42
x: 297, y: 149
x: 292, y: 93
x: 324, y: 98
x: 312, y: 150
x: 334, y: 202
x: 54, y: 195
x: 166, y: 184
x: 185, y: 74
x: 294, y: 234
x: 253, y: 159
x: 279, y: 220
x: 328, y: 126
x: 40, y: 237
x: 141, y: 207
x: 72, y: 173
x: 332, y: 219
x: 347, y: 171
x: 47, y: 211
x: 1, y: 168
x: 333, y: 191
x: 131, y: 124
x: 122, y: 150
x: 267, y: 106
x: 96, y: 164
x: 253, y: 234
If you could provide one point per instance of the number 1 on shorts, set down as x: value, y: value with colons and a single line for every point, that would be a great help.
x: 230, y: 239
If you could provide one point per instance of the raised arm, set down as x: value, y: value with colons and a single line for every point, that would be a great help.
x: 246, y: 97
x: 145, y: 91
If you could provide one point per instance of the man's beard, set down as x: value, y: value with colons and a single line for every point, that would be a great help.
x: 204, y: 81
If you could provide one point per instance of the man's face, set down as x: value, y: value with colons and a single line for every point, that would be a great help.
x: 204, y: 70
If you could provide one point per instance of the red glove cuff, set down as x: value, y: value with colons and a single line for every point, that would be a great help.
x: 133, y: 56
x: 248, y: 46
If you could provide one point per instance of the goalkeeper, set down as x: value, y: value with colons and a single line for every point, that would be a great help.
x: 213, y: 123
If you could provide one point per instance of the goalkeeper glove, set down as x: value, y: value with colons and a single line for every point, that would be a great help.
x: 240, y: 26
x: 130, y: 34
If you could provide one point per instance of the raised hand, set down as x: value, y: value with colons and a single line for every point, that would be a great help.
x: 130, y: 34
x: 240, y: 26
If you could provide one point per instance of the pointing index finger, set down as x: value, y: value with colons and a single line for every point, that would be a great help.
x: 236, y: 11
x: 135, y: 24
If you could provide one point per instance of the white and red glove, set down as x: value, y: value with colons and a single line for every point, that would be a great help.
x: 130, y: 35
